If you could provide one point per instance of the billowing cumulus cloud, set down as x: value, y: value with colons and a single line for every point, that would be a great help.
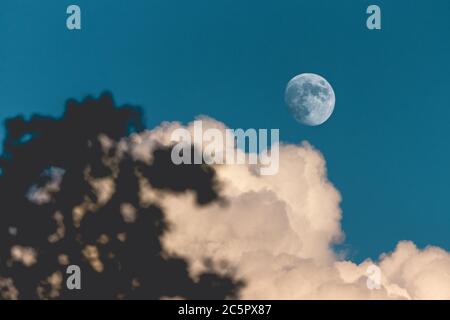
x: 140, y: 226
x: 277, y: 232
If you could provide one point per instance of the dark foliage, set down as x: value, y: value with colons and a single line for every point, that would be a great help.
x: 117, y: 259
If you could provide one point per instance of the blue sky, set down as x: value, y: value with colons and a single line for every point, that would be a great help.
x: 386, y: 144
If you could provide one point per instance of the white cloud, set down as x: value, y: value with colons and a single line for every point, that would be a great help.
x: 276, y: 233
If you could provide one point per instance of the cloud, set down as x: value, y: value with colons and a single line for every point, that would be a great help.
x: 277, y: 233
x: 141, y: 227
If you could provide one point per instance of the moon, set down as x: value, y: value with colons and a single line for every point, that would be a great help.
x: 310, y: 99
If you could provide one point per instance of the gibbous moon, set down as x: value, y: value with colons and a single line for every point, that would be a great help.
x: 310, y: 99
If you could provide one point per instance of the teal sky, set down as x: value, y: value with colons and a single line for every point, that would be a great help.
x: 386, y: 145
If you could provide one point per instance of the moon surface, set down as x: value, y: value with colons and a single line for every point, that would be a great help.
x: 310, y: 99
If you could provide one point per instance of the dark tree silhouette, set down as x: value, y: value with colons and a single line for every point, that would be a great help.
x: 52, y: 216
